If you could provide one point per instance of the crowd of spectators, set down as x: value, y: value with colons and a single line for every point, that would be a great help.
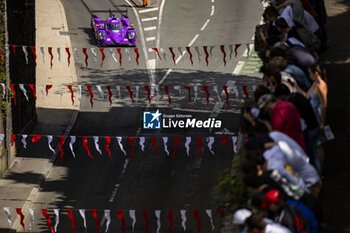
x: 281, y: 165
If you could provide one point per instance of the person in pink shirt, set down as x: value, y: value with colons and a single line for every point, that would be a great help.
x: 284, y: 117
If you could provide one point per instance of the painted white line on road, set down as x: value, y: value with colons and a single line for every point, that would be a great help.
x: 150, y: 28
x: 212, y: 10
x: 245, y: 53
x: 150, y: 50
x: 238, y: 68
x: 114, y: 193
x: 148, y: 19
x: 205, y: 24
x: 150, y: 38
x: 152, y: 63
x: 148, y: 10
x: 212, y: 1
x: 193, y: 40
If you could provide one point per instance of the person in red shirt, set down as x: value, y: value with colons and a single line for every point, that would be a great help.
x: 284, y: 117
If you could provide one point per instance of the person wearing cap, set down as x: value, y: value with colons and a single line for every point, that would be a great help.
x: 239, y: 218
x: 284, y: 214
x: 257, y: 224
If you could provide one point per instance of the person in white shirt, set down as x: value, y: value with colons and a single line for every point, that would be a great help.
x: 257, y: 224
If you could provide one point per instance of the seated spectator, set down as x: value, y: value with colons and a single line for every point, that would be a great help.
x: 288, y: 34
x: 257, y: 224
x: 239, y: 218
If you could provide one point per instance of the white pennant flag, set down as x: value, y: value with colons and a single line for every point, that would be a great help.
x: 210, y: 145
x: 94, y: 55
x: 210, y: 218
x: 142, y: 143
x: 108, y: 218
x: 21, y: 86
x: 96, y: 139
x: 180, y: 51
x: 100, y: 91
x: 57, y: 220
x: 31, y: 211
x: 254, y: 87
x: 198, y: 53
x: 9, y: 215
x: 2, y: 136
x: 157, y: 213
x: 24, y: 48
x: 3, y: 90
x: 162, y: 51
x: 215, y: 88
x: 7, y: 52
x: 59, y: 54
x: 133, y: 217
x: 183, y: 218
x: 72, y: 141
x: 165, y: 140
x: 178, y: 88
x: 118, y: 89
x: 157, y: 91
x: 234, y: 140
x: 76, y: 55
x: 236, y: 91
x: 248, y: 49
x: 113, y: 55
x: 231, y: 50
x: 49, y: 140
x: 79, y: 87
x: 24, y: 140
x: 119, y: 139
x: 145, y: 52
x: 195, y: 88
x: 211, y: 50
x: 61, y: 91
x: 128, y: 53
x: 137, y: 93
x: 42, y: 91
x: 187, y: 145
x: 43, y: 53
x: 82, y: 214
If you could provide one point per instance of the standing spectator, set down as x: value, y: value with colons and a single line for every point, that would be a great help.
x: 257, y: 224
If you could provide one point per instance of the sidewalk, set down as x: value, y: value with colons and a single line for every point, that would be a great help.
x: 22, y: 181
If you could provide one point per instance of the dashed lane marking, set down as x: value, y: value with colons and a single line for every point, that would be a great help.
x: 148, y: 19
x: 150, y: 38
x: 238, y: 68
x: 148, y: 10
x: 205, y: 24
x: 150, y: 28
x: 212, y: 10
x: 193, y: 40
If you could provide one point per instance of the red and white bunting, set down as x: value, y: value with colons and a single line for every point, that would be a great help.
x: 187, y: 145
x: 119, y: 139
x: 157, y: 213
x: 94, y: 55
x: 48, y: 219
x: 209, y: 213
x: 24, y: 141
x: 57, y: 219
x: 59, y: 54
x: 9, y: 215
x: 122, y: 220
x: 82, y: 214
x: 183, y: 219
x: 107, y: 215
x: 31, y: 212
x: 210, y: 145
x: 49, y: 140
x: 132, y: 215
x: 165, y: 141
x: 142, y: 143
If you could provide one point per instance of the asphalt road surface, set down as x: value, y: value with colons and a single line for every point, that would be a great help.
x: 147, y: 181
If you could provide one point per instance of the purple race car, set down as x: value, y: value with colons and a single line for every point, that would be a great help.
x: 113, y: 31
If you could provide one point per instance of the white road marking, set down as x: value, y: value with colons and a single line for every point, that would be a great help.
x: 150, y: 28
x: 148, y: 19
x: 150, y: 38
x: 238, y: 68
x: 150, y: 50
x: 193, y: 40
x: 205, y: 24
x: 148, y: 10
x: 152, y: 63
x: 212, y: 1
x: 212, y: 10
x: 245, y: 53
x: 253, y: 37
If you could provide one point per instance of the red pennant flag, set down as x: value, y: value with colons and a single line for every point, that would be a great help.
x: 14, y: 49
x: 60, y: 146
x: 145, y: 215
x: 109, y: 94
x: 32, y: 48
x: 245, y: 91
x: 121, y: 218
x: 156, y: 50
x: 36, y: 138
x: 50, y: 52
x: 19, y: 212
x: 222, y: 47
x: 189, y: 92
x: 131, y: 94
x: 227, y: 95
x: 199, y: 145
x: 13, y: 138
x: 120, y: 56
x: 171, y: 220
x: 94, y: 213
x: 154, y: 141
x: 166, y: 88
x: 86, y: 57
x: 189, y: 52
x: 33, y: 90
x: 172, y: 54
x: 107, y: 142
x: 70, y: 215
x: 68, y: 56
x: 236, y: 47
x: 148, y: 94
x: 207, y: 92
x: 71, y: 93
x: 176, y: 143
x: 206, y: 54
x: 131, y: 140
x: 196, y: 215
x: 222, y: 212
x: 91, y: 95
x: 12, y: 86
x: 137, y: 55
x: 47, y: 88
x: 48, y: 219
x: 224, y: 140
x: 103, y: 56
x: 85, y: 141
